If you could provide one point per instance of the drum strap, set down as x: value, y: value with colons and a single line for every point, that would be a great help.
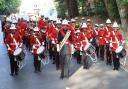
x: 116, y: 38
x: 38, y: 41
x: 14, y: 40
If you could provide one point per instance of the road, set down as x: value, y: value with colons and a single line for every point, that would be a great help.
x: 99, y: 76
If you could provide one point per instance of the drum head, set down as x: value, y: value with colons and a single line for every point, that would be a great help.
x: 119, y: 49
x: 40, y: 49
x: 17, y: 51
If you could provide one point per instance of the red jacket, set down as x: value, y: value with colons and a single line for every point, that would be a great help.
x: 35, y: 43
x: 101, y: 37
x: 78, y: 41
x: 10, y: 41
x: 114, y: 42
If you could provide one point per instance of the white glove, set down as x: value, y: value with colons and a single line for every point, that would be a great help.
x: 9, y: 48
x: 34, y: 47
x: 42, y: 43
x: 53, y: 42
x: 81, y: 48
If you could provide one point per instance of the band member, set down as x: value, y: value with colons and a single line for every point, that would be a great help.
x: 55, y: 36
x: 101, y: 40
x: 36, y: 42
x: 95, y: 39
x: 77, y: 40
x: 116, y: 41
x: 13, y: 41
x: 6, y: 28
x: 65, y: 52
x: 108, y: 31
x: 84, y: 45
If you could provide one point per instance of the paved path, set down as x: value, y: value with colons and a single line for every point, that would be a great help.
x: 99, y: 76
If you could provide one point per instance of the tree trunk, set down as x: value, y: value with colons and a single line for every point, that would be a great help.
x: 72, y: 7
x: 123, y: 10
x: 107, y: 5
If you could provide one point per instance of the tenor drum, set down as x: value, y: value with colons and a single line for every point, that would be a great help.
x: 121, y: 52
x: 19, y: 54
x: 40, y: 49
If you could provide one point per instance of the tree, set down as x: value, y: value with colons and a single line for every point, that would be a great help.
x: 9, y: 6
x: 72, y: 7
x: 123, y: 10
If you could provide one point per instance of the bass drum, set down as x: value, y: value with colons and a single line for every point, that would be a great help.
x: 19, y: 54
x: 121, y: 52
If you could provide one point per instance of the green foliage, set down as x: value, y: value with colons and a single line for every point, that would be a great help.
x: 82, y: 7
x: 9, y: 6
x: 61, y: 8
x: 100, y: 9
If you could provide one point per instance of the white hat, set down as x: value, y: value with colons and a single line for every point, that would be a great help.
x: 115, y: 25
x: 8, y: 19
x: 73, y: 20
x: 76, y: 18
x: 65, y: 22
x: 96, y: 25
x: 84, y: 25
x: 13, y: 26
x: 101, y: 25
x: 82, y: 18
x: 58, y: 22
x: 88, y: 20
x: 33, y: 18
x: 36, y: 29
x: 77, y: 31
x: 108, y: 21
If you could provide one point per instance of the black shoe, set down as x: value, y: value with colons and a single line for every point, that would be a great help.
x: 16, y: 73
x: 11, y: 74
x: 39, y: 70
x: 35, y: 71
x: 62, y: 77
x: 114, y: 68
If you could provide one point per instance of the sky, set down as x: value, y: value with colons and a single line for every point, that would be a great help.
x: 46, y: 6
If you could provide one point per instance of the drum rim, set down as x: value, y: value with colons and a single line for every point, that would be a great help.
x: 15, y: 54
x: 119, y: 49
x: 38, y: 50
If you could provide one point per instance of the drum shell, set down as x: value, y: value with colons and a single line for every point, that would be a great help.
x: 20, y: 57
x: 122, y: 54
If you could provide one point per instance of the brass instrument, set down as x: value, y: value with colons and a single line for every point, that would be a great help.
x: 64, y: 40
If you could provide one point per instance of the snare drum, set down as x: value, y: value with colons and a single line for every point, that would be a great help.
x: 121, y: 52
x: 40, y: 49
x: 19, y: 54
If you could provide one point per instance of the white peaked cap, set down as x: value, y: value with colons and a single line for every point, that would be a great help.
x: 96, y: 25
x: 36, y: 29
x: 58, y: 22
x: 13, y: 26
x: 102, y: 25
x: 82, y: 18
x: 76, y: 18
x: 108, y: 21
x: 8, y: 19
x: 77, y: 31
x: 33, y: 18
x: 88, y: 20
x: 115, y: 25
x: 84, y: 25
x: 73, y: 20
x: 65, y: 22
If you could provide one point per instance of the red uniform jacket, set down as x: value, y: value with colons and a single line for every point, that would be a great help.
x: 114, y: 42
x: 10, y: 41
x: 78, y: 41
x: 35, y: 43
x: 101, y: 37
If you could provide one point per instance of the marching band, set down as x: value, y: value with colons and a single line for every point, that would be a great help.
x: 64, y: 40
